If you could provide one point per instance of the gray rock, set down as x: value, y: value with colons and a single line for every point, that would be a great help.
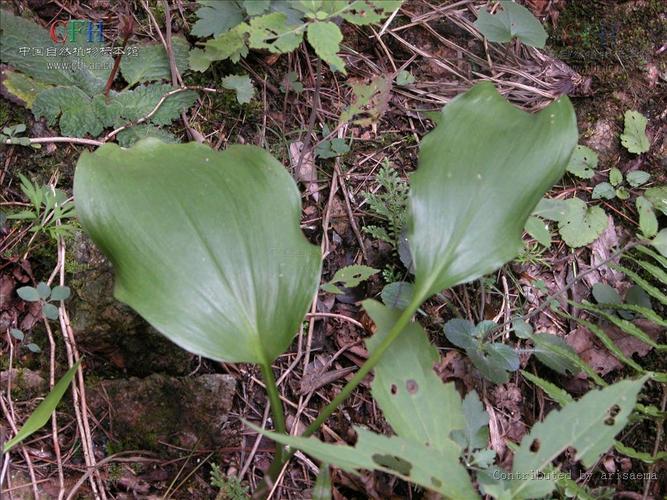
x: 187, y: 412
x: 110, y: 329
x: 25, y: 383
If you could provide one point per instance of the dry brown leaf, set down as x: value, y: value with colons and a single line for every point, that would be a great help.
x: 303, y: 164
x: 594, y: 354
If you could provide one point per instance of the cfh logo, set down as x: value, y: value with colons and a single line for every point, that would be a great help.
x: 69, y: 31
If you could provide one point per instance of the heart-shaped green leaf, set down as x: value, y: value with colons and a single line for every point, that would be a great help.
x: 206, y: 245
x: 481, y: 173
x: 512, y: 20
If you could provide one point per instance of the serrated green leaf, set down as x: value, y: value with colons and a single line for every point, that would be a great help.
x: 583, y: 163
x: 658, y: 197
x: 637, y: 178
x: 398, y: 295
x: 223, y: 225
x: 648, y: 222
x: 272, y: 32
x: 131, y: 105
x: 325, y: 38
x: 538, y: 230
x: 592, y: 424
x: 463, y: 221
x: 604, y: 190
x: 549, y: 350
x: 28, y: 293
x: 200, y: 60
x: 634, y: 137
x: 87, y: 72
x: 654, y: 255
x: 655, y: 271
x: 129, y: 136
x: 510, y: 21
x: 640, y: 310
x: 256, y: 7
x: 216, y: 17
x: 71, y: 108
x: 559, y: 395
x: 581, y: 225
x: 40, y: 416
x: 363, y: 13
x: 21, y: 86
x: 242, y: 85
x: 230, y: 45
x: 152, y: 63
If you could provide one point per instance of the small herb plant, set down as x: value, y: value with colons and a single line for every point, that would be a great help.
x: 46, y: 296
x: 389, y: 204
x: 20, y: 336
x: 51, y: 210
x: 13, y: 135
x: 230, y: 487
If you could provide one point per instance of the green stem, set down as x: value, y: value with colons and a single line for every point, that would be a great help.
x: 276, y: 406
x: 365, y: 369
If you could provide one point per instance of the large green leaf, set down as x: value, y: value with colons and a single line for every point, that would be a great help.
x: 589, y: 426
x: 206, y: 245
x: 481, y: 173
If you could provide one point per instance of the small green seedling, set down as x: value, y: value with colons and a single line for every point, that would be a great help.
x: 291, y: 83
x: 20, y: 336
x: 46, y: 295
x: 616, y: 187
x: 50, y: 212
x: 11, y: 135
x: 494, y: 360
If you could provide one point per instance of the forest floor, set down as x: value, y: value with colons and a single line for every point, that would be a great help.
x: 161, y: 420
